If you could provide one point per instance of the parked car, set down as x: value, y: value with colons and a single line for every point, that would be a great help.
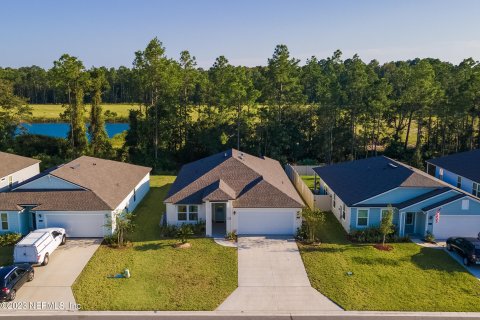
x: 13, y: 278
x: 38, y: 245
x: 468, y: 248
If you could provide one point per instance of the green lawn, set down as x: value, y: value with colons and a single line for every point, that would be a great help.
x: 309, y: 181
x: 51, y: 112
x: 162, y: 278
x: 408, y: 278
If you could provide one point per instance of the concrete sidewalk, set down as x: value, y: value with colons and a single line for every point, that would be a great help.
x: 272, y: 277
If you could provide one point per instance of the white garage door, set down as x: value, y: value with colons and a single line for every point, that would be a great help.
x: 449, y: 226
x: 77, y: 225
x: 259, y: 222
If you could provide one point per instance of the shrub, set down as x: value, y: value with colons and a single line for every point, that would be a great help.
x: 199, y: 228
x: 429, y: 237
x: 169, y: 231
x: 374, y: 235
x: 232, y: 236
x: 110, y: 240
x: 302, y: 233
x: 9, y: 239
x: 184, y: 232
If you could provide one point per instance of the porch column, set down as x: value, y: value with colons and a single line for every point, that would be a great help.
x: 426, y: 221
x: 401, y: 224
x: 229, y: 217
x: 208, y: 219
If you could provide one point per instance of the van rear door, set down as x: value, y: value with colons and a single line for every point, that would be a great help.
x: 25, y: 254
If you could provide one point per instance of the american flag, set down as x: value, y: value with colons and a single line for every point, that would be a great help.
x: 437, y: 215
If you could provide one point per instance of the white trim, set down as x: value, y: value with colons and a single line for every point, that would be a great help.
x: 368, y: 218
x: 465, y: 196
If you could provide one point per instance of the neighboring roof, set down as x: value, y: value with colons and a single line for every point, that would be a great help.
x: 10, y: 163
x: 465, y: 164
x: 358, y: 180
x: 409, y: 202
x: 111, y: 181
x: 250, y: 181
x: 52, y: 200
x: 445, y: 201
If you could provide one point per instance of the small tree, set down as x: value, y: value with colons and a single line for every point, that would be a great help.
x: 313, y: 220
x: 386, y: 225
x: 123, y: 224
x: 184, y: 232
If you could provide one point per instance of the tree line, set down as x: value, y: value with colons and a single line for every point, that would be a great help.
x: 325, y: 110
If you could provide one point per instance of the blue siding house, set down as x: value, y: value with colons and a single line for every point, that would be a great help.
x: 461, y: 170
x: 362, y: 190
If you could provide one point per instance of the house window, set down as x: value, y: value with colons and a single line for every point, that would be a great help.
x: 4, y: 219
x: 187, y: 213
x: 134, y: 195
x: 440, y: 174
x: 343, y: 212
x: 459, y: 182
x: 193, y: 213
x: 362, y: 218
x: 182, y: 213
x: 465, y: 204
x: 334, y: 201
x: 476, y: 189
x: 10, y: 181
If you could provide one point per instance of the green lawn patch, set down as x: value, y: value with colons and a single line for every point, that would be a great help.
x: 162, y: 277
x: 309, y: 181
x: 408, y: 278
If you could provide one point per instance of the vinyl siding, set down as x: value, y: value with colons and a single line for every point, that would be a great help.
x: 451, y: 178
x: 51, y: 183
x: 19, y: 176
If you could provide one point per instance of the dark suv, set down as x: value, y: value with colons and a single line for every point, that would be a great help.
x: 13, y: 278
x: 468, y: 248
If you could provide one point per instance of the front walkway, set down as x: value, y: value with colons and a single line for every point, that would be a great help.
x: 271, y: 277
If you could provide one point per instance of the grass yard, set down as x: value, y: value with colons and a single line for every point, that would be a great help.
x: 51, y: 112
x: 162, y: 278
x: 408, y: 278
x: 309, y: 181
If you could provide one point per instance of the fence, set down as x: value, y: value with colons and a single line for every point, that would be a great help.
x: 306, y: 170
x: 300, y: 185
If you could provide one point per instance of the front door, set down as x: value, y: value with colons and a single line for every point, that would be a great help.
x: 34, y: 220
x: 409, y: 222
x: 219, y: 212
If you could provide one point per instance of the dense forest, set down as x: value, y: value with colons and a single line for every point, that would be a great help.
x: 325, y: 110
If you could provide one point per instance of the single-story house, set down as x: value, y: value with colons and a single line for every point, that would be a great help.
x: 233, y: 191
x: 461, y: 170
x: 362, y: 190
x: 82, y: 196
x: 16, y: 169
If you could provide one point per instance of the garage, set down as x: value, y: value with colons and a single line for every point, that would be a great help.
x: 85, y: 225
x: 266, y: 222
x: 456, y: 225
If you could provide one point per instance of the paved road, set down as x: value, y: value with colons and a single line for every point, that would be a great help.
x: 52, y: 283
x: 473, y: 269
x: 272, y: 277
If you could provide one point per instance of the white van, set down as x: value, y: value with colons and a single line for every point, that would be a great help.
x: 38, y: 245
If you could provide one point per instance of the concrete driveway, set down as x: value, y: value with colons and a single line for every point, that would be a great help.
x: 473, y: 269
x: 272, y: 277
x: 52, y: 283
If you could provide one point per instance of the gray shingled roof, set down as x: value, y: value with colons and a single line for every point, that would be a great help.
x: 465, y: 164
x: 10, y: 163
x: 110, y: 180
x: 250, y: 181
x: 52, y: 200
x: 445, y: 201
x: 359, y: 180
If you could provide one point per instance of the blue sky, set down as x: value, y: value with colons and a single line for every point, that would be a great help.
x: 108, y: 32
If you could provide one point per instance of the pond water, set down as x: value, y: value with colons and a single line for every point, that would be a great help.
x: 60, y: 129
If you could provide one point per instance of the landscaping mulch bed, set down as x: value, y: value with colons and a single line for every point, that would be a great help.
x: 381, y: 247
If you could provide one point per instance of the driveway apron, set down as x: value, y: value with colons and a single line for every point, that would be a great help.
x: 272, y: 277
x: 52, y: 283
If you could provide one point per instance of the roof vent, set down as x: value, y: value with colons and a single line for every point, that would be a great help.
x: 225, y: 154
x: 94, y: 164
x: 75, y: 166
x: 391, y: 165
